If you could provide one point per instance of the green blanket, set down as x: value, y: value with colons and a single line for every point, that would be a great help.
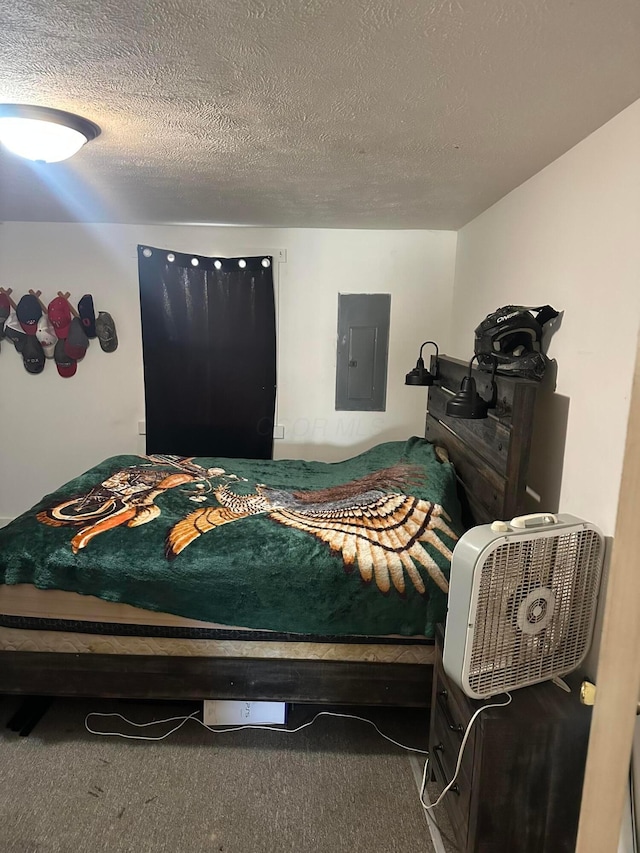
x: 360, y: 547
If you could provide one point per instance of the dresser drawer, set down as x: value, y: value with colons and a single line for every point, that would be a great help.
x: 458, y: 799
x: 447, y: 744
x: 449, y: 718
x: 448, y: 710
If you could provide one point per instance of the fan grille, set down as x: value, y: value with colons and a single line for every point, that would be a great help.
x: 535, y: 610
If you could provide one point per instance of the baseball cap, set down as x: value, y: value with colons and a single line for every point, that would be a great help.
x: 5, y: 310
x: 106, y: 331
x: 60, y: 316
x: 33, y: 355
x: 13, y: 331
x: 65, y: 364
x: 87, y: 315
x: 46, y: 335
x: 77, y: 342
x: 29, y: 312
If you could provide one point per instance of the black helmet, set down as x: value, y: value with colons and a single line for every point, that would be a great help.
x: 510, y: 339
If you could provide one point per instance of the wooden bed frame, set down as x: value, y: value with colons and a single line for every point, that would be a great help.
x: 491, y: 458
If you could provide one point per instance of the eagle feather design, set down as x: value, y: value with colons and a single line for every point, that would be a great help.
x: 382, y: 532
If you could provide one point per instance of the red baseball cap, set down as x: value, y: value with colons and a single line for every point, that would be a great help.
x: 60, y: 316
x: 5, y: 310
x: 65, y: 364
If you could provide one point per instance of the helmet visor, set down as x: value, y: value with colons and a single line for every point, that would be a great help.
x: 512, y: 339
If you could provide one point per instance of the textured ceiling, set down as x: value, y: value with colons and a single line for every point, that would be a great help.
x: 360, y: 113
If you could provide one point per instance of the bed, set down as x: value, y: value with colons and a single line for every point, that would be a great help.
x: 349, y: 620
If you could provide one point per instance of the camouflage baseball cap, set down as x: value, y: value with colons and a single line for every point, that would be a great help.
x: 106, y: 332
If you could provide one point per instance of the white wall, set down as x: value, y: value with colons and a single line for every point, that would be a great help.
x: 52, y: 429
x: 570, y: 236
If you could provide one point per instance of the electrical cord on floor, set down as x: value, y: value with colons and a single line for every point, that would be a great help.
x: 218, y: 730
x: 465, y: 738
x: 182, y: 720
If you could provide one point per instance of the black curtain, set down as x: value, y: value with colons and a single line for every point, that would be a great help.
x: 209, y: 348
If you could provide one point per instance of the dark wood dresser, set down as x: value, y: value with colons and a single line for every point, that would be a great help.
x: 520, y: 781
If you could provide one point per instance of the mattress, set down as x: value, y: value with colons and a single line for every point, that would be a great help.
x: 37, y: 620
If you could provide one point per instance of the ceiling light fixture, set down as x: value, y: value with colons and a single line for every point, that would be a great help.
x: 42, y: 133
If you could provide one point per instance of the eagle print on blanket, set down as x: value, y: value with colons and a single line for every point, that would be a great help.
x: 368, y: 522
x: 380, y: 531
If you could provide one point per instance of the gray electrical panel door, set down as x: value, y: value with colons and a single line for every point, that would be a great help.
x: 363, y: 348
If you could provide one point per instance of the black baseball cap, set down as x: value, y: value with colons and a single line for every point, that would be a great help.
x: 76, y: 342
x: 33, y: 355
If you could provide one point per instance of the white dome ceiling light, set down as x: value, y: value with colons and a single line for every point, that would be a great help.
x: 43, y: 134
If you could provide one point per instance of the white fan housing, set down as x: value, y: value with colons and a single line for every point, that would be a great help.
x: 522, y: 602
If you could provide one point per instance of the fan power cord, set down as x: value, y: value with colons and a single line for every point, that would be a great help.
x: 465, y: 738
x: 181, y: 720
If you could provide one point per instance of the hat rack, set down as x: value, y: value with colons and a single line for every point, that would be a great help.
x: 66, y: 296
x: 38, y: 293
x: 7, y: 292
x: 35, y: 357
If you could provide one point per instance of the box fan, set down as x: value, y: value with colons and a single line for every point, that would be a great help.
x: 522, y: 602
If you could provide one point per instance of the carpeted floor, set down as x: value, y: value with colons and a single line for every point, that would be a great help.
x: 336, y: 786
